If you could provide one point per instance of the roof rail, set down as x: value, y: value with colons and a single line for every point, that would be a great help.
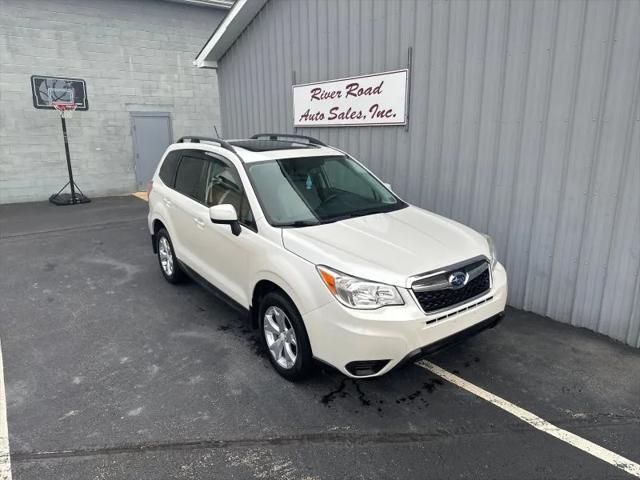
x: 280, y: 136
x: 198, y: 139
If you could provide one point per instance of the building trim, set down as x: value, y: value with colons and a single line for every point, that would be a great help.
x: 224, y: 4
x: 240, y: 15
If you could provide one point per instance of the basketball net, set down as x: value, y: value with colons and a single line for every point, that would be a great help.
x: 66, y: 109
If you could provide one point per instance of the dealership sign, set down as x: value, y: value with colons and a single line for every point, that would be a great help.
x: 378, y: 99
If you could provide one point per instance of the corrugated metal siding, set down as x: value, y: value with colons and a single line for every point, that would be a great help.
x: 525, y: 123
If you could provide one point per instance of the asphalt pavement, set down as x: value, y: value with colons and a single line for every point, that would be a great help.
x: 112, y: 373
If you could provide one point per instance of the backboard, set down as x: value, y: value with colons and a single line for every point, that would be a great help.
x: 48, y: 90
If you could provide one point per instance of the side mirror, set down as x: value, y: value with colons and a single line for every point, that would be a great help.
x: 225, y: 214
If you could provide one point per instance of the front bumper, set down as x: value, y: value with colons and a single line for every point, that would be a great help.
x: 353, y: 340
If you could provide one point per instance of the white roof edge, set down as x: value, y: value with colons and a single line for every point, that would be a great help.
x: 240, y: 15
x: 224, y: 4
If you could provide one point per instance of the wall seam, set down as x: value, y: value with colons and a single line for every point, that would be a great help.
x: 428, y: 93
x: 480, y: 109
x: 456, y: 169
x: 443, y: 110
x: 498, y: 134
x: 543, y: 140
x: 604, y: 94
x: 568, y: 146
x: 521, y: 114
x: 620, y: 184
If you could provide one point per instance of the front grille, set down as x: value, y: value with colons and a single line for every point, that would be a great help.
x: 434, y: 300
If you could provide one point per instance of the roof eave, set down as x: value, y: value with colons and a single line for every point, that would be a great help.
x: 240, y: 15
x: 223, y: 4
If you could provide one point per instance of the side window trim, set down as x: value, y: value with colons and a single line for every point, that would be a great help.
x: 208, y: 158
x: 186, y: 153
x: 172, y: 183
x: 245, y: 198
x: 175, y: 174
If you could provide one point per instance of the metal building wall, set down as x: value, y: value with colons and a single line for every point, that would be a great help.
x: 525, y: 123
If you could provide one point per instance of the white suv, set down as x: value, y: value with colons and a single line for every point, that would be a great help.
x: 328, y: 262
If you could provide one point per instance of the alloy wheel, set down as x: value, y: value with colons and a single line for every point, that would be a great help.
x: 166, y: 256
x: 280, y: 337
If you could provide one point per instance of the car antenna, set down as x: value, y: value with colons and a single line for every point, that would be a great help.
x: 216, y: 130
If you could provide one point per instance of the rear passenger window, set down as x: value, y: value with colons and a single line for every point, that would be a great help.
x: 190, y: 179
x: 169, y: 166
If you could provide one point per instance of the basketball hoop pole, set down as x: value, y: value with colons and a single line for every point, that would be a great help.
x: 60, y: 198
x: 66, y: 151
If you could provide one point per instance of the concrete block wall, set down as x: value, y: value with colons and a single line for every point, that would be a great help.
x: 135, y: 55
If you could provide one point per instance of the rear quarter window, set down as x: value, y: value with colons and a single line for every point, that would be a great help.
x: 168, y: 169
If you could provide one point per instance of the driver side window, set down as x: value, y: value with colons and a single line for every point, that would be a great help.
x: 223, y: 185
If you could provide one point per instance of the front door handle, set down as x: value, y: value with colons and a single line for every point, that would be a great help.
x: 199, y: 222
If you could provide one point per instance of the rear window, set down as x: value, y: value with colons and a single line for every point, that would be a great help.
x: 168, y: 169
x: 191, y: 179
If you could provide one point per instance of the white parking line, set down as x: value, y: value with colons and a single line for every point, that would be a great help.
x: 537, y: 422
x: 5, y: 458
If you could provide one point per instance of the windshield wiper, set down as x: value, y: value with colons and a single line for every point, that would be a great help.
x: 361, y: 213
x: 300, y: 223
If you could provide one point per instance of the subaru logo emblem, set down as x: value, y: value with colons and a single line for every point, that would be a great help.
x: 458, y: 279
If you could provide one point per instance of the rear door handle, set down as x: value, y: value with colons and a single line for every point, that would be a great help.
x: 167, y: 202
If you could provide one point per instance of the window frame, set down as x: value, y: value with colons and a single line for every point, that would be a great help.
x: 187, y: 153
x: 208, y: 156
x: 401, y: 203
x: 172, y: 183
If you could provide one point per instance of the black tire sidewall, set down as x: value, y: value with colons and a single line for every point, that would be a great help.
x: 304, y: 358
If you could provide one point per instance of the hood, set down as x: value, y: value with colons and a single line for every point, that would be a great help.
x: 387, y: 247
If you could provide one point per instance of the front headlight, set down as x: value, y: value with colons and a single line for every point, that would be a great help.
x: 493, y: 257
x: 354, y: 292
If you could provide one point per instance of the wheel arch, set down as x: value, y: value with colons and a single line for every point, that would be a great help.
x: 157, y: 224
x: 262, y: 288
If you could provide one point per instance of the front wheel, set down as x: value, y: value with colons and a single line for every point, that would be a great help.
x: 285, y: 337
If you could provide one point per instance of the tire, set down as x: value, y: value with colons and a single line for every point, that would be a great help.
x: 167, y: 259
x: 272, y: 306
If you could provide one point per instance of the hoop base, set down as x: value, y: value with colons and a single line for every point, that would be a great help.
x: 65, y: 199
x: 62, y: 199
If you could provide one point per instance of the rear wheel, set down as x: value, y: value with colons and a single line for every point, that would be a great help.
x: 285, y: 337
x: 167, y: 258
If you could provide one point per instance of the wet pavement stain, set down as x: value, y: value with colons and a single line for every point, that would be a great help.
x: 331, y: 396
x: 342, y: 392
x: 430, y: 385
x: 248, y: 334
x: 353, y: 389
x: 254, y: 341
x: 361, y: 395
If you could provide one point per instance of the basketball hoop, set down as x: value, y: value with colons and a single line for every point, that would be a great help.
x: 66, y: 109
x: 66, y: 95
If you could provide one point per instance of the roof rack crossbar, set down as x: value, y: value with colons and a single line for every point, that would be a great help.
x: 280, y: 136
x: 198, y: 139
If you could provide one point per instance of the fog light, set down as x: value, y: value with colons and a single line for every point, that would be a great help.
x: 362, y: 368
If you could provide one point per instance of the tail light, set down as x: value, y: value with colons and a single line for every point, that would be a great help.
x: 149, y: 187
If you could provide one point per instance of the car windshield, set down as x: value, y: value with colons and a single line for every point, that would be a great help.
x: 299, y: 192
